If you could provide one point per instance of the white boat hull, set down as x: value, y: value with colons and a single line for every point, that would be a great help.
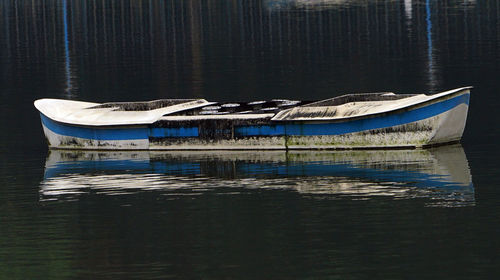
x: 433, y: 123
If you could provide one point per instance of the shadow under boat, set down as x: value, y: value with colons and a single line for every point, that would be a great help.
x: 441, y: 174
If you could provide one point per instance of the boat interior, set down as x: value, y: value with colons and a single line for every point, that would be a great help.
x: 254, y: 107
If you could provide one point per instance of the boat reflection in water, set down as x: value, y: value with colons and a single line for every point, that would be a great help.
x: 440, y: 175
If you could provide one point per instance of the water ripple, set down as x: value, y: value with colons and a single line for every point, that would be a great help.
x: 440, y: 175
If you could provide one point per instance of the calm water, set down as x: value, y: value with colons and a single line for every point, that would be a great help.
x: 216, y: 215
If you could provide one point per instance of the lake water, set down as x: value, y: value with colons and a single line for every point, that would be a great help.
x: 254, y: 215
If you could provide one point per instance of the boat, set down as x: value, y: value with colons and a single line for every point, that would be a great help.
x: 351, y: 121
x: 439, y: 175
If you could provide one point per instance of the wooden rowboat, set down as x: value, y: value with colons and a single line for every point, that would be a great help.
x: 353, y: 121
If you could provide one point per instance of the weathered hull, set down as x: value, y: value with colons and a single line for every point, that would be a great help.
x: 433, y: 123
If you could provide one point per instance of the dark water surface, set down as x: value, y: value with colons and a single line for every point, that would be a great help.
x: 273, y: 215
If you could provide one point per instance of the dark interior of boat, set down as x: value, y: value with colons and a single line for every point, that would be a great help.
x: 254, y: 107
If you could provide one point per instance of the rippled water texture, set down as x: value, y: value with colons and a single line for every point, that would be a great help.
x: 398, y: 214
x: 441, y: 174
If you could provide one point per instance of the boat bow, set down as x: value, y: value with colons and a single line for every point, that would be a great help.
x: 111, y: 114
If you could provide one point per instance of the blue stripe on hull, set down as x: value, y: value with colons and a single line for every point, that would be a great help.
x: 117, y: 133
x: 389, y: 120
x: 161, y: 132
x: 96, y: 133
x: 264, y: 130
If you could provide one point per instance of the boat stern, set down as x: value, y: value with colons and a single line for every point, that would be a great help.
x: 450, y: 125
